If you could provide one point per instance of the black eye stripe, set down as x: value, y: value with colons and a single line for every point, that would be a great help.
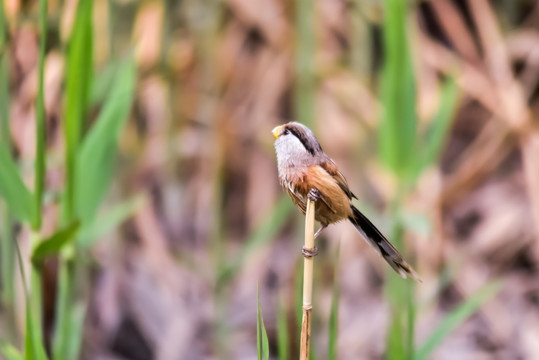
x: 311, y: 148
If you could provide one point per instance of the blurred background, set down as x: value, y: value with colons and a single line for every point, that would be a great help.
x: 141, y: 209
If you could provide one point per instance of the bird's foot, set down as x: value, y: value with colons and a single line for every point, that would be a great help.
x: 319, y: 231
x: 309, y: 253
x: 314, y: 195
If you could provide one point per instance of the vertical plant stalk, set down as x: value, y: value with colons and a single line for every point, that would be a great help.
x: 334, y: 313
x: 3, y: 22
x: 360, y: 41
x: 78, y: 78
x: 305, y: 81
x: 34, y: 341
x: 308, y: 265
x: 79, y: 65
x: 7, y: 249
x: 400, y: 295
x: 40, y: 161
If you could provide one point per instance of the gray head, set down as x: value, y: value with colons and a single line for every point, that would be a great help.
x: 296, y: 145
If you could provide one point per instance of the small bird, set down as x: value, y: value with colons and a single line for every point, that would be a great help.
x: 306, y: 171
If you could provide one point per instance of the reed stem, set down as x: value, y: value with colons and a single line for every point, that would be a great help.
x: 308, y: 263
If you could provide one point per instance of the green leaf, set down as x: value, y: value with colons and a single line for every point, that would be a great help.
x: 455, y: 318
x: 78, y: 83
x: 17, y: 196
x: 298, y: 293
x: 262, y: 343
x: 103, y: 83
x: 64, y: 333
x: 9, y: 351
x: 97, y: 155
x: 258, y: 330
x: 3, y: 27
x: 395, y: 345
x: 305, y: 81
x: 334, y: 313
x: 4, y: 98
x: 439, y: 127
x: 33, y: 342
x: 7, y: 246
x: 75, y: 335
x: 40, y: 160
x: 397, y: 133
x: 110, y: 220
x: 7, y: 259
x: 282, y: 329
x: 55, y: 243
x: 33, y: 338
x: 400, y: 295
x: 69, y: 316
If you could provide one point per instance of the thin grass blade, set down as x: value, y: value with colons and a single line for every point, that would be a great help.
x: 3, y: 27
x: 7, y: 260
x: 7, y: 250
x: 63, y: 336
x: 305, y: 86
x: 96, y: 159
x: 78, y: 312
x: 40, y: 160
x: 397, y: 134
x: 103, y: 83
x: 258, y: 332
x: 78, y: 83
x: 439, y: 127
x: 400, y: 295
x: 282, y: 329
x: 298, y: 292
x: 262, y: 343
x: 17, y: 196
x: 33, y: 341
x: 5, y: 101
x: 334, y: 312
x: 395, y: 345
x: 265, y: 341
x: 110, y: 220
x: 457, y: 317
x: 33, y: 338
x: 9, y: 351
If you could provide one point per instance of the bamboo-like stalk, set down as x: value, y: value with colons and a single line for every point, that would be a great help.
x: 308, y: 263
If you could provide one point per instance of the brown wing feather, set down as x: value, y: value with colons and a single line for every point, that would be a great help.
x: 334, y: 204
x: 333, y: 196
x: 331, y: 168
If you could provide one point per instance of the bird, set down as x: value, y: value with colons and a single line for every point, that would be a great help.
x: 306, y: 171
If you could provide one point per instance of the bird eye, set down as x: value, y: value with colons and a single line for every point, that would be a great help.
x: 286, y: 132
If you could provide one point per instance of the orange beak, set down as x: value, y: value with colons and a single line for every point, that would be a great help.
x: 276, y: 131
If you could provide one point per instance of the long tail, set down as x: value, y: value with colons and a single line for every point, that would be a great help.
x: 378, y: 241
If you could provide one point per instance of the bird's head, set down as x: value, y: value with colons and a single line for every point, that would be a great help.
x: 295, y: 143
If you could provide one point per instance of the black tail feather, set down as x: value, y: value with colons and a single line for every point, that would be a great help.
x: 378, y: 241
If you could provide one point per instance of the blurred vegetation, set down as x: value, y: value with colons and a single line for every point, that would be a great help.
x: 141, y: 216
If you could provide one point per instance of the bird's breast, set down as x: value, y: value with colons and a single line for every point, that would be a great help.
x: 334, y: 204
